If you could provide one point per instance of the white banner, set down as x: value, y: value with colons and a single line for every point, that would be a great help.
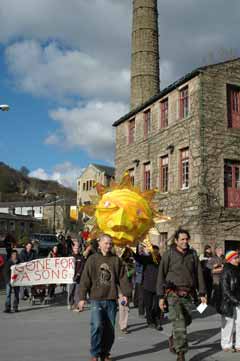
x: 43, y: 271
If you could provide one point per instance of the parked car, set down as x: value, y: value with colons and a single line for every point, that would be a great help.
x: 45, y: 242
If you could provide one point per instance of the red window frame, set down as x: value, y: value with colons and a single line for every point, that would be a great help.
x: 147, y: 176
x: 184, y: 168
x: 147, y: 122
x: 183, y: 103
x: 131, y: 131
x: 232, y: 184
x: 164, y: 113
x: 164, y: 173
x: 233, y: 105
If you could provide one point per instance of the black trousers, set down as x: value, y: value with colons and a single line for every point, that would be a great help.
x: 152, y: 309
x: 139, y: 299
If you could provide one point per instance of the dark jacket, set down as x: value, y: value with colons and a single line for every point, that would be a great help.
x: 150, y: 271
x: 230, y: 289
x: 180, y: 270
x: 7, y: 270
x: 79, y: 266
x: 102, y: 277
x: 27, y: 256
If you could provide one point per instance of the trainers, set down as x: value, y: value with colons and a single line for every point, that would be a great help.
x: 180, y: 356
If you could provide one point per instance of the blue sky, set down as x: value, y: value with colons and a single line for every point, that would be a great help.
x: 65, y: 73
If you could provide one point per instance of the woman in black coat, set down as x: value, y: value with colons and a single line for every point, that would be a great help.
x: 230, y: 301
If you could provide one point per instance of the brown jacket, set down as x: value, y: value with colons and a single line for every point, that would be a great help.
x: 178, y: 270
x: 102, y: 276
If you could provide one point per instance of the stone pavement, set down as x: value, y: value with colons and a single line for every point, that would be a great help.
x: 53, y: 333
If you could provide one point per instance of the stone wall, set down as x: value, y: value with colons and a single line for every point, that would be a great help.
x: 205, y: 131
x: 219, y: 224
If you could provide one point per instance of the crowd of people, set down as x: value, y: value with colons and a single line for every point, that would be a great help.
x: 110, y: 279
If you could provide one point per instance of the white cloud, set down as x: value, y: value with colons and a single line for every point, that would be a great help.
x: 39, y: 173
x: 52, y: 71
x: 89, y: 127
x: 65, y: 173
x: 93, y: 25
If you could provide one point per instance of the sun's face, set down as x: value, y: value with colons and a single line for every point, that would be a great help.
x: 123, y: 214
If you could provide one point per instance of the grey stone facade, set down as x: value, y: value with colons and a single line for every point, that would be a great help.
x: 199, y: 207
x: 94, y: 173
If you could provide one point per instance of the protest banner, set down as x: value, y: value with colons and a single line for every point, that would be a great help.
x: 43, y: 271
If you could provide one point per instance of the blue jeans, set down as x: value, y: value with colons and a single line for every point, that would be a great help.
x: 9, y: 289
x: 103, y: 315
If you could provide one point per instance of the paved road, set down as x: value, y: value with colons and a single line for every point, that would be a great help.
x: 53, y: 333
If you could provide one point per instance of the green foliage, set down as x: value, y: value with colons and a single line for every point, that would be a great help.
x: 24, y: 170
x: 23, y: 239
x: 16, y: 186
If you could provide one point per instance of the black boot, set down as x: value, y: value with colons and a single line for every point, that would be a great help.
x: 7, y: 309
x: 180, y: 356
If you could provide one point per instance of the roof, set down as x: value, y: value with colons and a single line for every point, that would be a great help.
x: 44, y: 203
x: 17, y: 217
x: 168, y: 89
x: 110, y: 171
x: 22, y: 204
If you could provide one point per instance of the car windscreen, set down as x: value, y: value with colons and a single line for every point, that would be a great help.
x: 46, y: 238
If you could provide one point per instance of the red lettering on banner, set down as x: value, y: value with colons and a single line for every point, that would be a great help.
x: 64, y: 263
x: 38, y: 263
x: 47, y: 263
x: 45, y: 274
x: 71, y: 263
x: 38, y: 276
x: 19, y: 269
x: 25, y: 275
x: 57, y: 260
x: 56, y: 273
x: 30, y: 266
x: 64, y: 274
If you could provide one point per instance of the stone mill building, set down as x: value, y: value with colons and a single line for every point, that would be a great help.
x: 183, y: 140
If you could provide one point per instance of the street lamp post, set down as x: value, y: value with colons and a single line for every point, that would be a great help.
x: 4, y: 107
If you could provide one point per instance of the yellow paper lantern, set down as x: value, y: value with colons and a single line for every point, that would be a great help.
x: 125, y: 215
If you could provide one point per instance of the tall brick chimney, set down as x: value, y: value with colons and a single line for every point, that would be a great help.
x: 145, y: 52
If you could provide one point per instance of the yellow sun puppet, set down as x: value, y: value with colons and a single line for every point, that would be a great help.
x: 123, y: 212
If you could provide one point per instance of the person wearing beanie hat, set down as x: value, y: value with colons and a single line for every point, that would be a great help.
x: 230, y: 255
x: 230, y: 302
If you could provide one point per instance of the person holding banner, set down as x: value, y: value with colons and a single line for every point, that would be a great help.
x: 7, y: 276
x: 102, y: 276
x: 79, y: 261
x: 51, y: 288
x: 27, y: 254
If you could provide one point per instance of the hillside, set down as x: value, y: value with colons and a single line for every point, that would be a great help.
x: 15, y: 186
